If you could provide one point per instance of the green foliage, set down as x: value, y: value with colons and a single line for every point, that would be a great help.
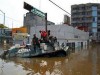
x: 3, y: 26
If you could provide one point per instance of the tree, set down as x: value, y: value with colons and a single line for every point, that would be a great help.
x: 3, y: 26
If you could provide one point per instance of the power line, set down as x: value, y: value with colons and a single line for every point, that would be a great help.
x: 59, y: 7
x: 11, y: 18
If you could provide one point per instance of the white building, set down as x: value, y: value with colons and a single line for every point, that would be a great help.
x: 64, y: 34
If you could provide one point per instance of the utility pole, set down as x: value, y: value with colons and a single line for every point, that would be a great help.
x: 46, y: 22
x: 4, y: 17
x: 3, y: 29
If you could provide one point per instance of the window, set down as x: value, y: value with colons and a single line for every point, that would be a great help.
x: 94, y: 13
x: 98, y: 29
x: 83, y: 18
x: 94, y: 8
x: 94, y: 30
x: 94, y: 19
x: 88, y: 7
x: 88, y: 13
x: 94, y: 24
x: 83, y: 8
x: 98, y: 12
x: 98, y: 18
x: 83, y: 13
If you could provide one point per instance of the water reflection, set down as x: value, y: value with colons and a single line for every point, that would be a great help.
x: 36, y: 66
x: 45, y: 66
x: 42, y: 66
x: 11, y: 68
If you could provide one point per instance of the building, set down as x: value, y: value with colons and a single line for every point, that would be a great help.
x: 35, y: 17
x: 20, y: 36
x: 6, y: 34
x: 31, y: 19
x: 67, y: 20
x: 87, y: 16
x: 19, y: 30
x: 64, y: 33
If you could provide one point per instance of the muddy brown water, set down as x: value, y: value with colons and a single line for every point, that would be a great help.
x: 82, y: 62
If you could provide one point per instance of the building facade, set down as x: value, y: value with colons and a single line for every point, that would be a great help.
x: 67, y: 20
x: 64, y: 33
x: 6, y: 34
x: 87, y: 16
x: 32, y: 20
x: 20, y: 35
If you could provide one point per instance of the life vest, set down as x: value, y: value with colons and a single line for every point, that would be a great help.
x: 43, y: 34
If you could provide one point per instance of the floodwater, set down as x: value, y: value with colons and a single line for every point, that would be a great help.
x: 81, y: 62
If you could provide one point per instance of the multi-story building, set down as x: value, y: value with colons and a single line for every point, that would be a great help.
x: 88, y: 16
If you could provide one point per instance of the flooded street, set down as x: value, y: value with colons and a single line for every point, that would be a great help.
x: 82, y: 62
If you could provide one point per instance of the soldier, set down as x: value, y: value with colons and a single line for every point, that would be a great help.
x: 35, y: 42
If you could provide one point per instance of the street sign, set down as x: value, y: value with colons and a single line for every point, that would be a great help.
x: 27, y: 6
x: 38, y: 12
x: 33, y: 10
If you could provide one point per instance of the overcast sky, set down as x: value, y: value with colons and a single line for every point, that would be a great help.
x: 14, y: 9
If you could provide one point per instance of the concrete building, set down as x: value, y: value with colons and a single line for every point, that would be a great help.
x: 20, y: 35
x: 88, y: 16
x: 67, y: 20
x: 5, y: 34
x: 31, y: 19
x: 64, y: 33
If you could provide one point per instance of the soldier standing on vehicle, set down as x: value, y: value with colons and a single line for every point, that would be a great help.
x: 35, y: 42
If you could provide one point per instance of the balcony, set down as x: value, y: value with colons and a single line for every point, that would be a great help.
x: 73, y: 16
x: 88, y: 9
x: 74, y: 21
x: 82, y: 21
x: 90, y: 15
x: 74, y: 11
x: 81, y: 15
x: 87, y: 21
x: 81, y: 10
